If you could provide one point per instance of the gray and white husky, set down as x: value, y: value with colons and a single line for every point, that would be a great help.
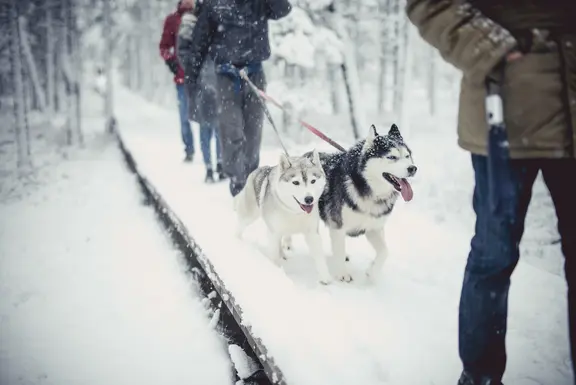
x: 286, y: 196
x: 363, y: 185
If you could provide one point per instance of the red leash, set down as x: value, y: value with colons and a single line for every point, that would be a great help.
x: 310, y: 127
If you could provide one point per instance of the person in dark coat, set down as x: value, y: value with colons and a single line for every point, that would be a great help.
x: 168, y: 53
x: 202, y: 97
x: 529, y: 48
x: 234, y: 33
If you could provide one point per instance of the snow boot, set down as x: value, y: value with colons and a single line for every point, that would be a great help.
x: 209, y: 176
x: 467, y: 379
x: 235, y: 187
x: 220, y: 172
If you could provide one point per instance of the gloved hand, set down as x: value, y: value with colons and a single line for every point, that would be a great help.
x: 191, y: 83
x: 173, y: 65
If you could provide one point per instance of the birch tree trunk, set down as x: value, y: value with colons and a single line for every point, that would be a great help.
x: 432, y: 80
x: 132, y: 74
x: 396, y: 37
x: 350, y: 75
x: 58, y: 82
x: 384, y: 54
x: 357, y: 38
x: 334, y: 88
x: 76, y: 71
x: 65, y: 69
x: 18, y: 87
x: 31, y: 64
x: 108, y: 99
x: 135, y: 68
x: 150, y: 52
x: 60, y: 75
x: 139, y: 66
x: 50, y: 44
x: 406, y: 76
x: 143, y: 49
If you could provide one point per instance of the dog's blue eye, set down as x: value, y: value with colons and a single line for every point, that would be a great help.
x: 295, y: 183
x: 313, y: 181
x: 392, y: 157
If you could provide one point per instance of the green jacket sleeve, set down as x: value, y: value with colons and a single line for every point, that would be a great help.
x: 464, y: 36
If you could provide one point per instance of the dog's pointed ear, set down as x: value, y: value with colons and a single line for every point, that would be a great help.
x: 284, y: 161
x: 394, y: 131
x: 316, y: 158
x: 372, y: 135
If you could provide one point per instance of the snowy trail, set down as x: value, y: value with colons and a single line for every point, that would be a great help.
x: 92, y: 291
x: 402, y: 331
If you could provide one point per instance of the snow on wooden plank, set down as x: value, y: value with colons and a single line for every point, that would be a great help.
x: 203, y: 271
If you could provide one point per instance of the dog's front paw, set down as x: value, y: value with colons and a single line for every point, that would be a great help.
x: 372, y: 274
x: 287, y: 242
x: 277, y: 261
x: 346, y: 278
x: 370, y: 279
x: 374, y: 270
x: 325, y: 280
x: 282, y: 254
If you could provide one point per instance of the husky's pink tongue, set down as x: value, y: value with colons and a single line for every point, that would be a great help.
x: 307, y: 208
x: 406, y: 190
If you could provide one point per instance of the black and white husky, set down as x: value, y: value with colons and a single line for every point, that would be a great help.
x: 363, y: 185
x: 286, y: 197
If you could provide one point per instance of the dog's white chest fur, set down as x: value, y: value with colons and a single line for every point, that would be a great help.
x: 353, y: 220
x: 286, y: 222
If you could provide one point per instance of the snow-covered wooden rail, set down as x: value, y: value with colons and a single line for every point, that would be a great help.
x: 230, y: 315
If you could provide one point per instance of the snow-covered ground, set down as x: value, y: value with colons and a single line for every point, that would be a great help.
x: 402, y: 331
x: 91, y: 289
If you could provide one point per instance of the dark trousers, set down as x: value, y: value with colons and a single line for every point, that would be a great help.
x: 185, y: 127
x: 500, y: 214
x: 240, y: 121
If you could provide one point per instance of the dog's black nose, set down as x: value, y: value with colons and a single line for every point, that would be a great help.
x: 308, y: 200
x: 412, y: 170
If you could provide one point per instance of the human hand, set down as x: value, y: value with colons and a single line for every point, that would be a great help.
x: 173, y: 65
x: 514, y: 55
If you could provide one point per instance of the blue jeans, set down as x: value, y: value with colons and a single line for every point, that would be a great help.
x: 501, y: 198
x: 185, y: 127
x: 207, y: 131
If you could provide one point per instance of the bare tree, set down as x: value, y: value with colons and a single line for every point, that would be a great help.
x: 432, y: 79
x: 396, y: 38
x: 351, y: 79
x: 349, y: 70
x: 50, y: 57
x: 71, y: 68
x: 24, y: 159
x: 333, y: 79
x: 384, y: 53
x: 406, y: 79
x: 108, y: 99
x: 31, y: 64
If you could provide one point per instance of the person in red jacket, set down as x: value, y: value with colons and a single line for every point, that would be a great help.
x: 168, y: 53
